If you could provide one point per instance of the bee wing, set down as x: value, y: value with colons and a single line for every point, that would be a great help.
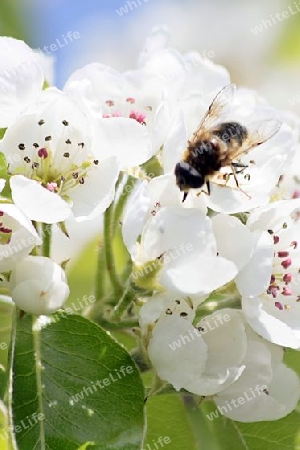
x: 258, y: 133
x: 217, y: 111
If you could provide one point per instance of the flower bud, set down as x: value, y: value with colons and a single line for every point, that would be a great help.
x: 38, y: 285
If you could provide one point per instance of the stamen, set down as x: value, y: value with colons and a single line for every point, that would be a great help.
x: 287, y: 291
x: 41, y: 122
x: 65, y: 123
x: 21, y: 146
x: 51, y: 186
x: 287, y: 278
x: 294, y: 244
x: 130, y: 100
x: 43, y: 153
x: 139, y: 117
x: 275, y: 239
x: 279, y: 305
x: 283, y: 254
x: 286, y: 263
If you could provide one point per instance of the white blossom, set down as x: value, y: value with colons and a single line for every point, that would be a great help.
x: 38, y: 285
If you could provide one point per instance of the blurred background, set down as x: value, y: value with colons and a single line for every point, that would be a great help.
x: 255, y: 40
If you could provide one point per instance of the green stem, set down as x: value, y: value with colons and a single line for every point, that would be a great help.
x: 100, y: 276
x: 46, y: 236
x: 108, y: 246
x: 123, y: 305
x: 120, y: 205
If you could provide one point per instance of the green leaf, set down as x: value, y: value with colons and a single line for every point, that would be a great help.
x: 69, y: 372
x: 167, y: 418
x: 6, y: 309
x: 282, y: 434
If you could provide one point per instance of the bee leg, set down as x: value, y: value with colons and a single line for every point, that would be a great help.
x: 237, y: 182
x: 204, y: 192
x: 239, y: 165
x: 184, y: 196
x: 208, y: 187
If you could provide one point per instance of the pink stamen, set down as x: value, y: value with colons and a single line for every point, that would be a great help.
x: 276, y: 239
x: 110, y: 102
x: 130, y: 100
x: 43, y: 153
x: 106, y: 116
x: 287, y: 278
x: 272, y: 279
x: 296, y: 194
x: 283, y: 254
x: 286, y: 263
x: 294, y: 244
x: 1, y: 213
x: 279, y: 305
x: 5, y: 230
x: 287, y: 291
x: 273, y: 291
x: 139, y: 117
x: 51, y: 186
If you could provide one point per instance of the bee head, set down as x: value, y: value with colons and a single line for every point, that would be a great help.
x: 187, y: 177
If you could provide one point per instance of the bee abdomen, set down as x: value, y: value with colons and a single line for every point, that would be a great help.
x: 204, y: 156
x: 231, y: 131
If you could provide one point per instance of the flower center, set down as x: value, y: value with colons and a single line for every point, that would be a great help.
x: 5, y: 233
x: 58, y: 167
x: 135, y: 114
x: 283, y: 276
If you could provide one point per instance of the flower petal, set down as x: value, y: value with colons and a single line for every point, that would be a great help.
x: 36, y: 202
x: 124, y: 138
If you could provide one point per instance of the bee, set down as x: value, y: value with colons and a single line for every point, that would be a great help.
x: 217, y: 143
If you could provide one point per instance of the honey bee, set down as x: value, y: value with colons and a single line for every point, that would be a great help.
x: 217, y: 143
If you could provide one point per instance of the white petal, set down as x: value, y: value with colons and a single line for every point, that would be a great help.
x: 38, y: 285
x: 175, y: 143
x: 234, y: 240
x: 250, y: 404
x: 196, y: 276
x: 254, y: 278
x: 156, y: 307
x: 157, y: 40
x: 36, y: 202
x: 224, y: 334
x: 272, y: 215
x: 231, y: 200
x: 21, y: 79
x: 285, y: 332
x: 124, y: 138
x: 135, y: 215
x: 176, y: 361
x: 24, y: 237
x: 93, y: 197
x: 183, y: 231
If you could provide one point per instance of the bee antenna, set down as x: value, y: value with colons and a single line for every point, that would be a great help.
x: 184, y: 196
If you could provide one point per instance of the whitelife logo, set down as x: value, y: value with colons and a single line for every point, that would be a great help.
x: 279, y: 17
x: 61, y: 42
x: 132, y: 5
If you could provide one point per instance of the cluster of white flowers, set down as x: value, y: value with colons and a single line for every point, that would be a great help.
x: 226, y: 249
x: 233, y: 254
